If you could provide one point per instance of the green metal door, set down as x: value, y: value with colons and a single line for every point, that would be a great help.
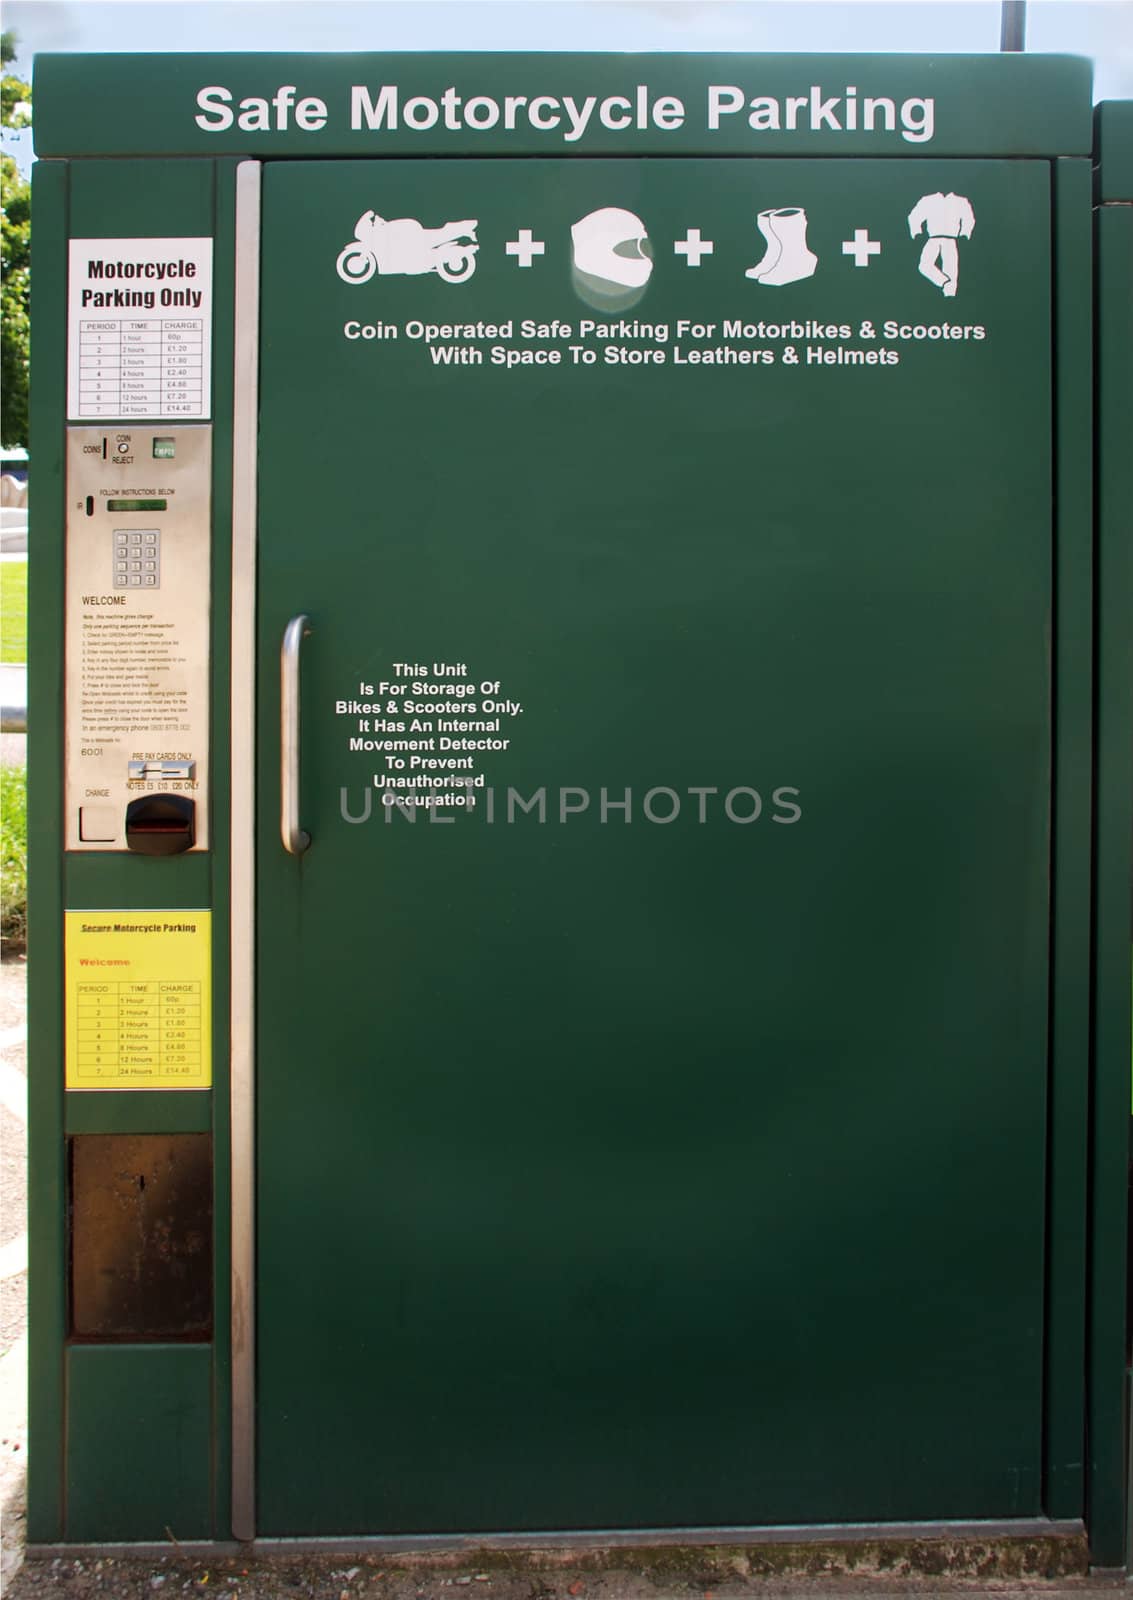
x: 659, y: 1140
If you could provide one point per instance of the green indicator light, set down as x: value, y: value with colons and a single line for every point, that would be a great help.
x: 137, y: 505
x: 164, y: 449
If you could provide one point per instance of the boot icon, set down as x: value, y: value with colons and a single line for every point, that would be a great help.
x: 788, y: 256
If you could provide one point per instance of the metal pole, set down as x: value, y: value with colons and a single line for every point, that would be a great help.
x: 1013, y: 25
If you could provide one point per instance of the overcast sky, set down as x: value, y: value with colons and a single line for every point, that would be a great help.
x: 1100, y: 29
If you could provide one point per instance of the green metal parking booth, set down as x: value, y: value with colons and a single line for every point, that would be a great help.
x: 580, y: 799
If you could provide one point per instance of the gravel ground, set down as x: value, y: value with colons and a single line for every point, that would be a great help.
x: 372, y: 1578
x: 13, y: 1309
x: 13, y: 1169
x: 13, y: 1148
x: 13, y: 994
x: 14, y: 1284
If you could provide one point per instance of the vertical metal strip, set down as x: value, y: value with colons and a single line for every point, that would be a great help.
x: 47, y: 1142
x: 243, y: 1081
x: 1071, y: 900
x: 1113, y: 858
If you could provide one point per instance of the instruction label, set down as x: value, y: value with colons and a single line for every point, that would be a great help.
x: 139, y: 999
x: 430, y: 731
x: 137, y: 625
x: 139, y: 329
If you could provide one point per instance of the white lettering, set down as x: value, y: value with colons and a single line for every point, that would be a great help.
x: 451, y: 102
x: 255, y: 115
x: 577, y: 116
x: 378, y: 113
x: 822, y: 111
x: 283, y: 99
x: 481, y: 112
x: 723, y: 101
x: 420, y: 112
x: 888, y: 114
x: 534, y: 111
x: 384, y: 110
x: 217, y: 114
x: 918, y: 120
x: 606, y: 113
x: 668, y: 112
x: 311, y: 114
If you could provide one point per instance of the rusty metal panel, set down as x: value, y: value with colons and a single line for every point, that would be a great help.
x: 141, y: 1236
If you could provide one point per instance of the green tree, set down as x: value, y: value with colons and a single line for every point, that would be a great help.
x: 15, y: 258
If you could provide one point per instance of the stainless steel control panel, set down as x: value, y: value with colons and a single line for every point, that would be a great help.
x: 137, y: 637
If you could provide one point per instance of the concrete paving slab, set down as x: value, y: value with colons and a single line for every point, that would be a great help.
x: 14, y: 697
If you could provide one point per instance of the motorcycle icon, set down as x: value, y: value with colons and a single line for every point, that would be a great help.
x: 405, y: 246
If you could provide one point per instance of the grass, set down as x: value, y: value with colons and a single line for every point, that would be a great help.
x: 13, y: 610
x: 14, y: 858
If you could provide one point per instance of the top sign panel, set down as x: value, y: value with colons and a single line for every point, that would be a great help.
x: 363, y: 105
x: 1115, y: 149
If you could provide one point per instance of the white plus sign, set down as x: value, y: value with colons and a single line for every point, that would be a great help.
x: 692, y: 247
x: 525, y: 247
x: 861, y: 247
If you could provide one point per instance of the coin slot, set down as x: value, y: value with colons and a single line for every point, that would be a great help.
x: 98, y: 824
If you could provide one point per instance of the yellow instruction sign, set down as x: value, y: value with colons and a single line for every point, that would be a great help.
x: 139, y: 1000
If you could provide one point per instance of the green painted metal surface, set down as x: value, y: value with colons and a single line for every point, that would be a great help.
x: 1071, y: 908
x: 140, y: 1112
x: 220, y: 853
x: 139, y: 1426
x: 87, y: 201
x: 1109, y: 1392
x: 47, y: 1241
x: 1114, y: 145
x: 660, y: 1173
x: 324, y: 105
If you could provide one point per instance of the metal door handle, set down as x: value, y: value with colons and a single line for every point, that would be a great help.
x: 293, y: 836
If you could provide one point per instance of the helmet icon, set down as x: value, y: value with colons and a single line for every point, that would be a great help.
x: 611, y: 257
